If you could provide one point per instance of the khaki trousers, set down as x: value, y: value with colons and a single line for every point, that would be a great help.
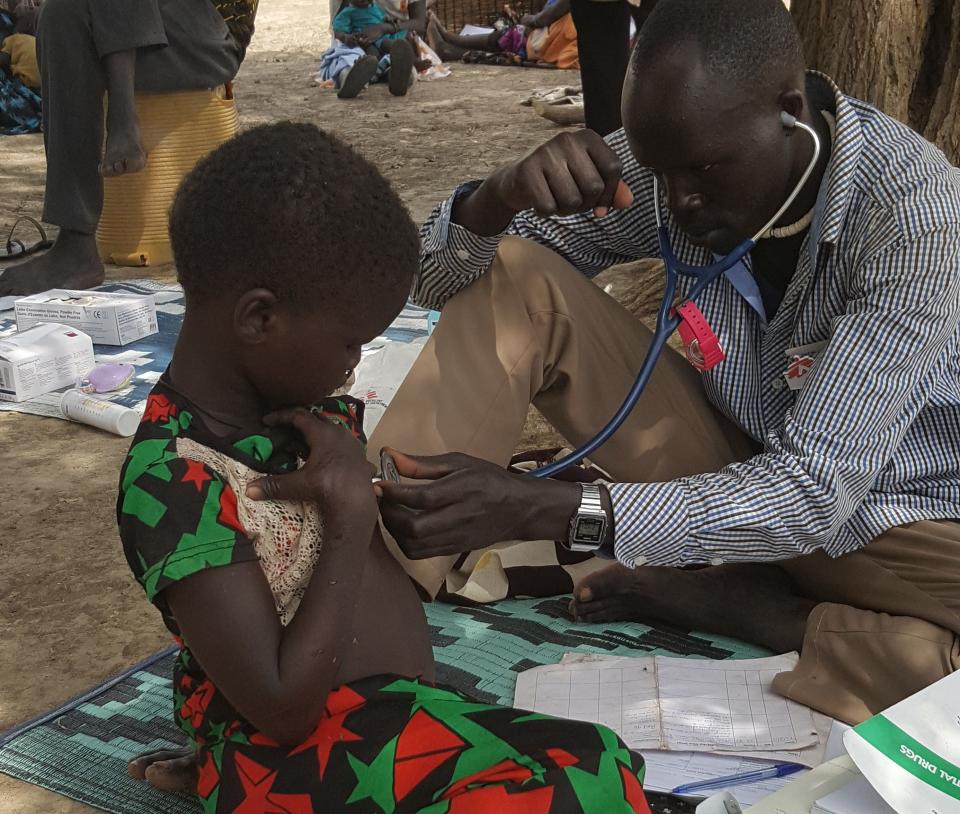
x: 534, y: 330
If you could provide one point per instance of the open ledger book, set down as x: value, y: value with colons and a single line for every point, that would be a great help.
x: 679, y: 704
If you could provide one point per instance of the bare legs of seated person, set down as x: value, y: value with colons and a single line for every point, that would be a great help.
x: 123, y: 151
x: 74, y: 262
x: 88, y: 48
x: 755, y: 602
x: 451, y: 47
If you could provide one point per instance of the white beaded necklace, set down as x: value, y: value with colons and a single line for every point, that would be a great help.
x: 797, y: 227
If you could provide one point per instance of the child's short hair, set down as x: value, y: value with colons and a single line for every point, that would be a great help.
x: 292, y: 209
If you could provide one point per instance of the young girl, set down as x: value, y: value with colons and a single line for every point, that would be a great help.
x: 303, y: 681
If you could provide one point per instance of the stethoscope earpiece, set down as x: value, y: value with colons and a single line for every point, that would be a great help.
x: 787, y: 120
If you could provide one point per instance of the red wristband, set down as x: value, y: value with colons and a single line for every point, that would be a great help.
x: 700, y: 343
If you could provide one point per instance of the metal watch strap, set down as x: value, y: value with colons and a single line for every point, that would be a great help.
x: 590, y: 502
x: 589, y: 512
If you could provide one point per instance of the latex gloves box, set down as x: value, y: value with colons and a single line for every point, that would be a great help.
x: 108, y: 317
x: 42, y: 359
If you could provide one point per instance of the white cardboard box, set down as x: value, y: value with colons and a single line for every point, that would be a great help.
x: 107, y: 317
x: 41, y: 359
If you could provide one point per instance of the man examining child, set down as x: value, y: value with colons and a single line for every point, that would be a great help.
x: 828, y: 515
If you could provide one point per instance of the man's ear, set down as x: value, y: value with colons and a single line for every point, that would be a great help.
x: 792, y: 102
x: 255, y: 316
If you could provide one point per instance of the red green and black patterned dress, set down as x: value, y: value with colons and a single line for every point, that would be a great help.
x: 384, y: 744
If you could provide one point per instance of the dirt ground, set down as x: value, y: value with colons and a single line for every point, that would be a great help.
x: 70, y: 613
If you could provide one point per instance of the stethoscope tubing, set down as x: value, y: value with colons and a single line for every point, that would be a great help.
x: 667, y: 322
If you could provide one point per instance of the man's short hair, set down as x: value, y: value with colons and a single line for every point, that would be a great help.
x: 743, y: 41
x: 292, y: 209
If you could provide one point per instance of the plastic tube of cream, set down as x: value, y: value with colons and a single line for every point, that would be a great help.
x: 105, y: 415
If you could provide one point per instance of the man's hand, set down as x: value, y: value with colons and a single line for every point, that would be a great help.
x: 571, y: 173
x: 466, y: 503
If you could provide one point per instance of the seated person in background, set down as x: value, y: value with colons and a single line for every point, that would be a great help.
x: 87, y: 48
x: 546, y: 38
x: 20, y: 106
x: 18, y: 44
x: 351, y: 25
x: 303, y: 681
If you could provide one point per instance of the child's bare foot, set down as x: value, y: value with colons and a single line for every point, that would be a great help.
x: 752, y: 602
x: 174, y: 771
x: 73, y: 262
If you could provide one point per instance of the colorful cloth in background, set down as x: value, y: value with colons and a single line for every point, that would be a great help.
x: 513, y: 41
x: 336, y: 60
x: 20, y: 106
x: 239, y: 15
x: 556, y: 44
x: 388, y: 744
x: 22, y: 49
x: 353, y: 20
x: 340, y: 58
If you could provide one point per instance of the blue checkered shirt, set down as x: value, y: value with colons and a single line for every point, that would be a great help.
x: 872, y: 440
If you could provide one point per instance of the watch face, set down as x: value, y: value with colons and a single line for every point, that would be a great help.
x: 589, y: 530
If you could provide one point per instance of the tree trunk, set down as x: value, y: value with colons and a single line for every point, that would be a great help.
x: 903, y: 56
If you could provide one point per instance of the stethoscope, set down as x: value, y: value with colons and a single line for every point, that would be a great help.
x: 669, y: 318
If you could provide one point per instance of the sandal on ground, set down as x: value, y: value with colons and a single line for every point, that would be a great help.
x: 565, y: 111
x: 551, y: 95
x: 13, y: 248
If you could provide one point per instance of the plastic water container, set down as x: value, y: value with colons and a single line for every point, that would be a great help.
x: 177, y: 130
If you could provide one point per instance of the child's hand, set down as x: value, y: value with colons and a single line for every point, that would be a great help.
x: 336, y: 474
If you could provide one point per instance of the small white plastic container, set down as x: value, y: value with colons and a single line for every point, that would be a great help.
x: 105, y: 415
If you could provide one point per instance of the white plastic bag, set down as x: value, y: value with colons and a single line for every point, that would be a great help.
x: 379, y: 375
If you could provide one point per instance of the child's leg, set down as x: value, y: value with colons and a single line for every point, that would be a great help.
x: 123, y: 152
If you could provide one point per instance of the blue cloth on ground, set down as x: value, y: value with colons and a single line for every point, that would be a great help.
x: 19, y: 105
x: 340, y: 58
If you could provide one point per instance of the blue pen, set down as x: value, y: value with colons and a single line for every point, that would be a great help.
x: 780, y: 770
